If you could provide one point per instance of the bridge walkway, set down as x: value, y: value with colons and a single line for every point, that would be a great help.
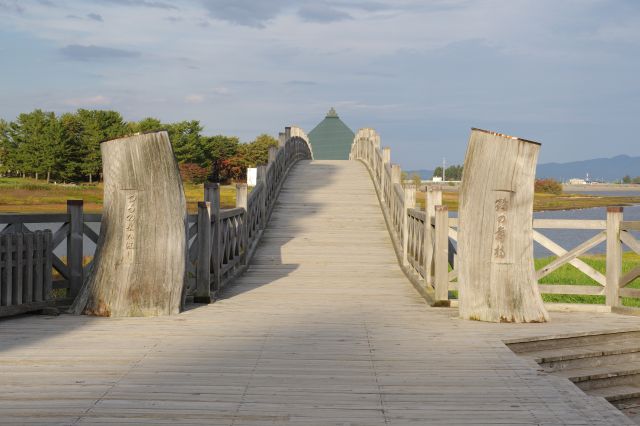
x: 323, y: 329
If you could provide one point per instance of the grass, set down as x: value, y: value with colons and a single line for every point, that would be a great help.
x: 19, y: 195
x: 569, y: 275
x: 548, y: 201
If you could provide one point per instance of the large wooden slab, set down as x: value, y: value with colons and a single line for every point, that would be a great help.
x: 324, y: 329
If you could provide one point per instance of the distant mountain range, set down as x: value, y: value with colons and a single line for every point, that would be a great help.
x: 607, y: 169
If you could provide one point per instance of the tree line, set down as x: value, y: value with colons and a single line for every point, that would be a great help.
x: 629, y: 179
x: 66, y: 147
x: 451, y: 173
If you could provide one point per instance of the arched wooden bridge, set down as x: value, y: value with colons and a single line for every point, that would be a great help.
x: 323, y: 327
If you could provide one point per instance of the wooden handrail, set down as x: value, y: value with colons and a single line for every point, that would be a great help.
x: 420, y: 240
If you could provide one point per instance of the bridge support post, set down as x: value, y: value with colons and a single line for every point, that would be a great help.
x: 241, y: 201
x: 203, y: 267
x: 75, y: 246
x: 614, y: 256
x: 441, y: 256
x: 409, y: 203
x: 433, y: 199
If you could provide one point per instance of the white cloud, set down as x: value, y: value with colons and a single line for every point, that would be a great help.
x: 91, y: 101
x: 194, y: 98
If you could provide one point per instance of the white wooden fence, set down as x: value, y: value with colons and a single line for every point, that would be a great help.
x: 423, y: 239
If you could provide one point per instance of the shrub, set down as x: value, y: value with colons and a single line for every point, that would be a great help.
x: 193, y: 173
x: 548, y: 186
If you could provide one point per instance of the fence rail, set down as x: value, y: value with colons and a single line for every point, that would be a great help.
x: 424, y: 240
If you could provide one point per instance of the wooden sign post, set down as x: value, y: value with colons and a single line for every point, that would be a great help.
x: 497, y: 278
x: 140, y: 260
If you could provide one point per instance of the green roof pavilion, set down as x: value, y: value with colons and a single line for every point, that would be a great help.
x: 331, y: 139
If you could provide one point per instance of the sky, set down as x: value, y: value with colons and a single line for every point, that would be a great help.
x: 565, y: 73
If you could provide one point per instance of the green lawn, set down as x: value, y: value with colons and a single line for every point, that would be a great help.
x: 569, y: 275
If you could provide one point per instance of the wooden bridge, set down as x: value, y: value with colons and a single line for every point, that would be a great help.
x: 323, y: 327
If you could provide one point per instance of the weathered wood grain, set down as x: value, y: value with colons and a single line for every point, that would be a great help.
x: 140, y: 260
x: 495, y: 241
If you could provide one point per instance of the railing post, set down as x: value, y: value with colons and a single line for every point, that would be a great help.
x: 386, y: 159
x: 272, y: 154
x: 212, y: 195
x: 386, y: 155
x: 203, y: 267
x: 209, y: 191
x: 75, y: 246
x: 433, y: 198
x: 241, y: 201
x: 262, y: 177
x: 442, y: 256
x: 614, y: 256
x: 409, y: 203
x: 396, y: 173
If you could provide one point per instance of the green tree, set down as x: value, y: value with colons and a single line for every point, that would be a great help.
x: 37, y: 143
x: 626, y: 179
x: 6, y: 148
x: 74, y: 147
x: 98, y: 126
x: 257, y: 151
x: 217, y: 150
x: 453, y: 172
x: 146, y: 125
x: 187, y: 142
x: 437, y: 172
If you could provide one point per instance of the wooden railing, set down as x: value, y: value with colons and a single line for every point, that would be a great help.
x: 66, y: 273
x: 25, y: 271
x: 407, y: 226
x: 226, y: 239
x: 424, y: 240
x: 220, y: 241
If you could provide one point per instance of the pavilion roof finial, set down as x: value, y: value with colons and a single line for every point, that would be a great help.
x: 332, y: 113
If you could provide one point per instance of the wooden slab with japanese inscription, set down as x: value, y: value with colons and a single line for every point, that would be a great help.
x: 141, y: 253
x: 496, y: 275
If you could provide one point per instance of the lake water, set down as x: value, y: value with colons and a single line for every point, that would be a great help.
x: 567, y: 238
x: 570, y: 238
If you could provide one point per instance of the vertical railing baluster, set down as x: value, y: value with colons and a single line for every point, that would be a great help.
x: 442, y: 256
x: 203, y: 268
x: 613, y: 256
x: 75, y: 246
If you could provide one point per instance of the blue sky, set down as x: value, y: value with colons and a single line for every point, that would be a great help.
x: 562, y: 72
